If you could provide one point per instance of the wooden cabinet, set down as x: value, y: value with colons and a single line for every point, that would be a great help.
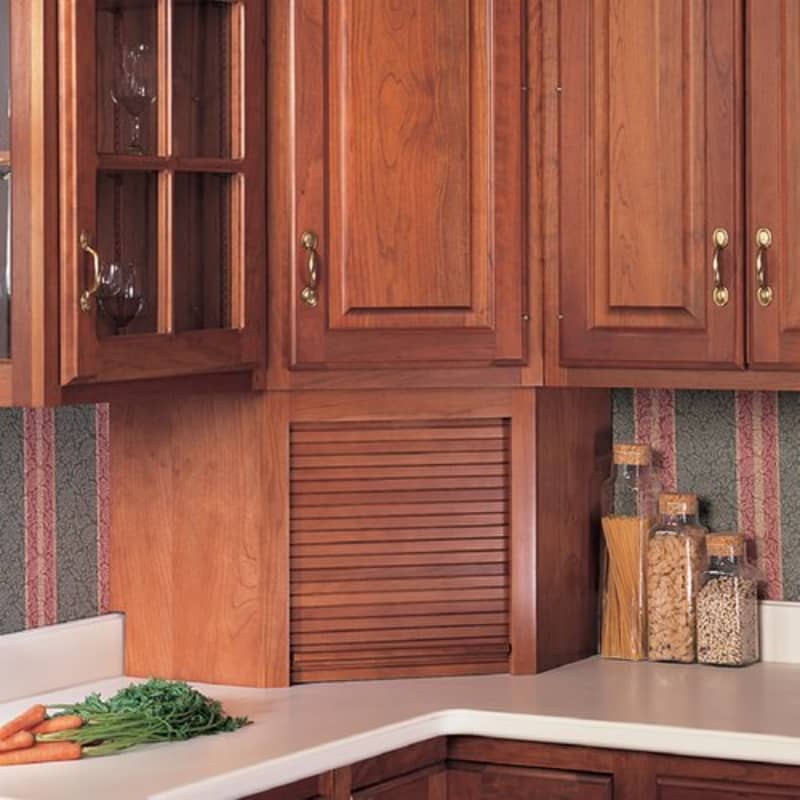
x: 650, y: 139
x: 407, y: 182
x: 173, y: 206
x: 162, y: 188
x: 676, y: 121
x: 475, y: 768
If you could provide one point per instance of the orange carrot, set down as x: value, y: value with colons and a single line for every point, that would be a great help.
x: 66, y: 722
x: 42, y: 751
x: 17, y: 741
x: 27, y: 719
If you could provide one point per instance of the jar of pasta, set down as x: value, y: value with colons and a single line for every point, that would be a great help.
x: 629, y: 501
x: 676, y: 560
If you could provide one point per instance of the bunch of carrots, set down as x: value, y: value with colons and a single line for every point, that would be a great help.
x: 21, y: 743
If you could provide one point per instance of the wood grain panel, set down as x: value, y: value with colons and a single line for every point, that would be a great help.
x: 773, y: 31
x: 644, y: 87
x: 407, y: 118
x: 419, y: 565
x: 179, y: 474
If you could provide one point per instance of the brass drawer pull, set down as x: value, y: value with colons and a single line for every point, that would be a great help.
x: 764, y: 291
x: 720, y: 294
x: 309, y: 293
x: 88, y: 294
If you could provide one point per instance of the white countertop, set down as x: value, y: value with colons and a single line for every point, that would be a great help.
x: 751, y: 714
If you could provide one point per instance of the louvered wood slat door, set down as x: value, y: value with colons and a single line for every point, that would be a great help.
x: 399, y: 549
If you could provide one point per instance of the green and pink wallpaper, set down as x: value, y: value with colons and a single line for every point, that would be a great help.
x: 54, y: 515
x: 740, y: 452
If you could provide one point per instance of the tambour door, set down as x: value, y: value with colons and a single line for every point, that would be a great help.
x: 773, y: 229
x: 162, y: 187
x: 650, y: 99
x: 407, y: 182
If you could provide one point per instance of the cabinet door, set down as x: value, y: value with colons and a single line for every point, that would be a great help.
x: 407, y: 181
x: 773, y: 192
x: 162, y: 204
x: 650, y: 109
x: 520, y: 783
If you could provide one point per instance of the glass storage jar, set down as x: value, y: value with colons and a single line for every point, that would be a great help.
x: 629, y: 501
x: 727, y: 605
x: 676, y: 560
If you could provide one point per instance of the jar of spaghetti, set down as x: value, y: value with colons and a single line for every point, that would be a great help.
x: 629, y: 500
x: 676, y: 560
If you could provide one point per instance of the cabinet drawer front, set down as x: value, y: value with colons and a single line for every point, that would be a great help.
x: 699, y: 789
x: 519, y: 783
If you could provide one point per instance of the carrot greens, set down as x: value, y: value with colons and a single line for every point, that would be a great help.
x: 155, y: 711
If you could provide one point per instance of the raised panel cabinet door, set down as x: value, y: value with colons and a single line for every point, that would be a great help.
x: 407, y: 181
x: 650, y: 101
x: 162, y: 190
x: 520, y: 783
x: 773, y: 213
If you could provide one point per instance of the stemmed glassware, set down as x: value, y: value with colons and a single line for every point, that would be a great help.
x: 120, y: 296
x: 134, y: 87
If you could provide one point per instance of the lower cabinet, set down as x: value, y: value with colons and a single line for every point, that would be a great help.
x: 477, y: 768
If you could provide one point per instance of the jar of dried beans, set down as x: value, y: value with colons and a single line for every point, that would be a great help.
x: 727, y: 606
x: 676, y: 561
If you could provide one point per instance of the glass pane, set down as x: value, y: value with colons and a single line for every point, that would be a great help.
x: 5, y: 263
x: 5, y: 76
x: 202, y: 260
x: 127, y: 229
x: 202, y: 66
x: 127, y: 77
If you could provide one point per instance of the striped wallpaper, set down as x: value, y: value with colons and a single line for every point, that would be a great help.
x: 54, y: 515
x: 740, y: 452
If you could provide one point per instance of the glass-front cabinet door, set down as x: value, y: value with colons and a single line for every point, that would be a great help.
x: 162, y: 188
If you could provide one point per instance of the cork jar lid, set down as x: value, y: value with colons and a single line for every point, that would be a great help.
x: 677, y: 504
x: 728, y: 544
x: 636, y: 454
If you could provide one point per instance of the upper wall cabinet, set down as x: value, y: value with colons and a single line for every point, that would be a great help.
x: 651, y: 119
x: 162, y: 187
x: 407, y: 182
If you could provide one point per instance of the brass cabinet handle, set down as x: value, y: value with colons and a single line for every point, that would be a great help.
x: 309, y: 293
x: 88, y: 294
x: 720, y: 294
x: 764, y: 291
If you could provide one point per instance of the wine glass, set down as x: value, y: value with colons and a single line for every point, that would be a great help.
x: 134, y: 87
x: 120, y: 296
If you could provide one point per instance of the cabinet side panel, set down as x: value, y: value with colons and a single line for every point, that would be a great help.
x: 195, y: 546
x: 573, y: 442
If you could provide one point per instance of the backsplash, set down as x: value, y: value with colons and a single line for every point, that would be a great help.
x: 740, y: 452
x: 54, y: 515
